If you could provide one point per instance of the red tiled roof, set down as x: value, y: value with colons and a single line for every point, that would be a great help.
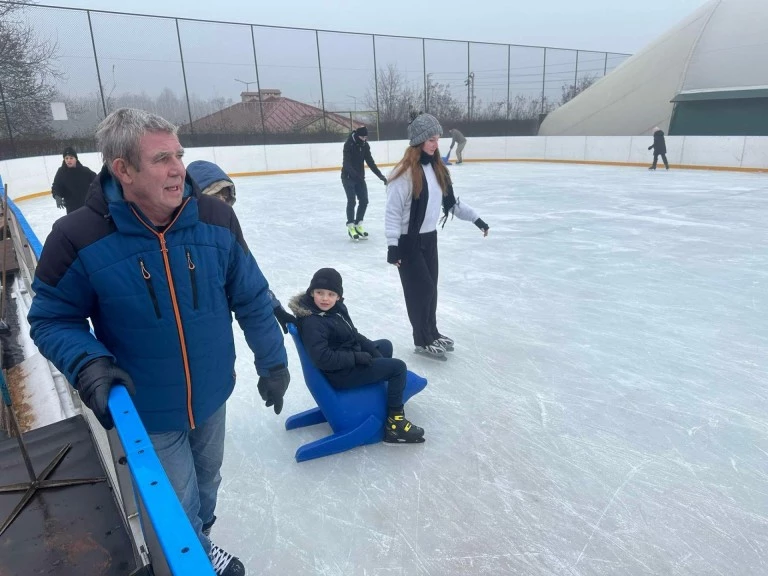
x: 281, y: 115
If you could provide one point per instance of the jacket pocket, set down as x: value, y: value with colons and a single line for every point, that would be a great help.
x: 192, y: 278
x: 150, y: 287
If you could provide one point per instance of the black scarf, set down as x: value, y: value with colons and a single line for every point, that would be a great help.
x: 419, y: 205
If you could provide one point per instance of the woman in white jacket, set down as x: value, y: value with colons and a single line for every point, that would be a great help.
x: 418, y: 188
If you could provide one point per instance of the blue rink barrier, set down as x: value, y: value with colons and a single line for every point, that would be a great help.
x: 181, y: 547
x: 183, y: 552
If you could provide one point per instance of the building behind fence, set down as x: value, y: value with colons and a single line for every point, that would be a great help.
x: 63, y: 70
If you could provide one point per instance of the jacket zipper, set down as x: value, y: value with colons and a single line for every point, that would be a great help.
x: 191, y: 267
x: 148, y: 280
x: 176, y: 312
x: 347, y: 323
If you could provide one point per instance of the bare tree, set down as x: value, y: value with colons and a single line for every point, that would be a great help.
x: 441, y: 103
x: 570, y: 91
x: 490, y: 111
x: 27, y: 73
x: 523, y: 107
x: 395, y: 95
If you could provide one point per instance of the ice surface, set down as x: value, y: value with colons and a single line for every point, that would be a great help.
x: 605, y: 411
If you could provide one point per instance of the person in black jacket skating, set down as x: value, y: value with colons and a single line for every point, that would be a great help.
x: 346, y: 357
x: 356, y: 151
x: 71, y: 183
x: 659, y: 148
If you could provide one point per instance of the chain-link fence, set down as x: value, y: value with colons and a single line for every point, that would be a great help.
x: 62, y: 70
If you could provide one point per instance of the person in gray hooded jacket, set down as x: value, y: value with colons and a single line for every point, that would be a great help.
x: 213, y: 181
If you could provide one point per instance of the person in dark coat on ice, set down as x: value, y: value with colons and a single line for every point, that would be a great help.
x: 346, y: 357
x: 356, y: 151
x: 71, y: 183
x: 419, y: 187
x: 659, y: 148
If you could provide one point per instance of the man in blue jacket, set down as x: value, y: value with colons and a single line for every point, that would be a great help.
x: 159, y: 269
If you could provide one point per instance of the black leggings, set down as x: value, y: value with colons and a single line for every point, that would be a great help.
x: 418, y: 275
x: 390, y: 369
x: 359, y: 190
x: 656, y: 159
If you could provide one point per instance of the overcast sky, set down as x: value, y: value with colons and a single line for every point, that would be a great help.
x: 603, y: 25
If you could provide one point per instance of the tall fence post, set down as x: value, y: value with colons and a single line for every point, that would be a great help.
x: 96, y: 60
x: 258, y: 87
x: 509, y: 78
x: 320, y: 70
x: 576, y: 73
x: 376, y: 86
x: 543, y: 81
x: 184, y: 75
x: 469, y: 85
x: 605, y: 67
x: 424, y: 64
x: 8, y: 121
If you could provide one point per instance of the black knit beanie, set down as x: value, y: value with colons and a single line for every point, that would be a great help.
x: 362, y: 131
x: 326, y: 279
x: 69, y: 151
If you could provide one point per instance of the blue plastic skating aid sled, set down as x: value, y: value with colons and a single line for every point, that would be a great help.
x: 356, y: 415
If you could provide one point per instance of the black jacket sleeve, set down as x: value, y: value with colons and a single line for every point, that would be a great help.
x: 348, y: 166
x: 57, y: 188
x: 371, y: 163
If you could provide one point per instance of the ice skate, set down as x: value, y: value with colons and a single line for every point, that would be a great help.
x: 431, y: 351
x: 400, y: 431
x: 361, y: 231
x: 224, y: 564
x: 445, y: 343
x: 352, y: 231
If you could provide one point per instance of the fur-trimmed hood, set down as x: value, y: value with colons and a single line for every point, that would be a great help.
x: 302, y: 305
x: 299, y: 309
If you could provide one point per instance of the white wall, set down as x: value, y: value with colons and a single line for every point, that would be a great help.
x: 31, y: 175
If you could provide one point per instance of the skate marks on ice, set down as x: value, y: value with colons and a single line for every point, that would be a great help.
x: 604, y: 411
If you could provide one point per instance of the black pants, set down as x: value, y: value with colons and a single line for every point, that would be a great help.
x: 656, y: 159
x: 418, y: 275
x: 359, y: 190
x: 390, y: 369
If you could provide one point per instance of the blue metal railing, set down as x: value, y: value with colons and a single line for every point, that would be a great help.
x: 182, y: 549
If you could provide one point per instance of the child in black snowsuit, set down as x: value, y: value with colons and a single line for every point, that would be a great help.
x: 346, y: 357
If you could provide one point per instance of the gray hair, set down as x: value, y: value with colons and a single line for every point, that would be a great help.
x: 119, y: 133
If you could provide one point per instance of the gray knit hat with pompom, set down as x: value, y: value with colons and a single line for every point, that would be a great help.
x: 422, y: 128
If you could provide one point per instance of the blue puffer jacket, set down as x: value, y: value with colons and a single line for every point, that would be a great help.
x: 161, y: 302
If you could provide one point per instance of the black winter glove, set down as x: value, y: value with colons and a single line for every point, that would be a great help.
x: 283, y: 318
x: 383, y: 179
x: 95, y: 380
x: 363, y: 358
x: 272, y: 388
x: 651, y: 146
x: 480, y: 224
x: 393, y: 254
x: 60, y: 202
